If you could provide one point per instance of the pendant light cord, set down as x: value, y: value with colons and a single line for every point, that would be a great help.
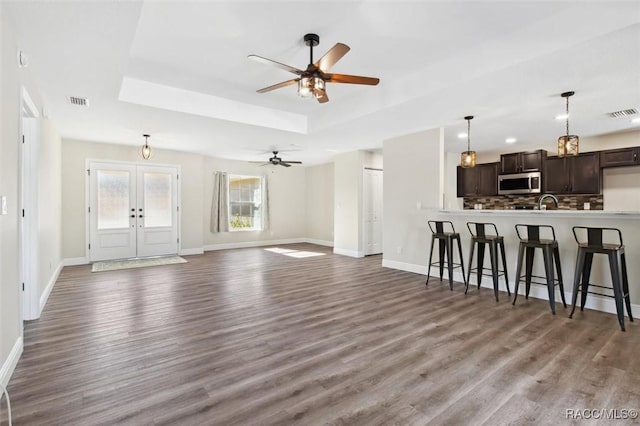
x: 468, y: 134
x: 567, y: 115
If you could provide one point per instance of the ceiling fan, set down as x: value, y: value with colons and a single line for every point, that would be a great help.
x: 311, y: 82
x: 277, y: 161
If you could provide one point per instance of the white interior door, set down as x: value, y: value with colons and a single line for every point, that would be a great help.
x: 372, y: 189
x: 157, y: 204
x: 133, y: 211
x: 112, y: 211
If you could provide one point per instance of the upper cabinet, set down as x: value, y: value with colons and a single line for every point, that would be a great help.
x: 521, y: 162
x: 620, y: 157
x: 478, y: 181
x: 578, y: 174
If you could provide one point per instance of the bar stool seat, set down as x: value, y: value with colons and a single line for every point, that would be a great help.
x: 445, y: 233
x: 551, y: 255
x: 595, y: 244
x: 495, y: 241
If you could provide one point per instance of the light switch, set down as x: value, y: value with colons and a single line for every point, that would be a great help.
x: 5, y: 209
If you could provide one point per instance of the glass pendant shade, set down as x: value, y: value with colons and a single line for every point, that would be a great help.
x: 145, y: 151
x: 311, y: 87
x: 568, y: 144
x: 468, y: 159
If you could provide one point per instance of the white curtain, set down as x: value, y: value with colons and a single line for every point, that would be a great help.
x: 265, y: 204
x: 220, y: 203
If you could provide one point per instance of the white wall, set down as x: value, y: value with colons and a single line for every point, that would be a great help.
x: 319, y: 195
x: 12, y: 79
x: 49, y: 207
x: 287, y: 202
x: 621, y: 189
x: 74, y: 176
x: 289, y: 198
x: 348, y: 203
x: 413, y: 181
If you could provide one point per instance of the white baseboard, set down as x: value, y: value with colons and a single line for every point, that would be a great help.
x: 74, y: 261
x: 538, y: 291
x: 47, y: 290
x: 319, y: 242
x: 350, y: 253
x: 10, y: 363
x: 191, y: 251
x: 409, y: 267
x: 227, y: 246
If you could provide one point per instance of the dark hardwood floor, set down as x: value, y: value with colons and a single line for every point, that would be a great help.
x: 253, y: 337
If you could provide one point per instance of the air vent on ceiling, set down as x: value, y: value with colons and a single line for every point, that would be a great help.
x: 624, y: 113
x: 74, y: 100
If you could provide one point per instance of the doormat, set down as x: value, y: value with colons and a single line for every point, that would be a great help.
x: 114, y: 265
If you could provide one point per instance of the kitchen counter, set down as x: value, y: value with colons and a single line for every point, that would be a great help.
x: 562, y: 221
x: 596, y: 214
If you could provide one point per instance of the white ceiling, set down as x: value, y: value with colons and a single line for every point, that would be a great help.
x: 504, y: 62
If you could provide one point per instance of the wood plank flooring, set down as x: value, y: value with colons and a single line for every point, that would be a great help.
x: 251, y: 337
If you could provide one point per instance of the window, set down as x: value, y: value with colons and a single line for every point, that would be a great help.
x: 245, y: 203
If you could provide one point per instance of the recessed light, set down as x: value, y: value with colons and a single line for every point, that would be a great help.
x: 511, y: 140
x: 636, y: 120
x: 462, y: 135
x: 562, y: 116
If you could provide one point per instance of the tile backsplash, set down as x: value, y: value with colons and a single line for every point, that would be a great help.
x: 505, y: 202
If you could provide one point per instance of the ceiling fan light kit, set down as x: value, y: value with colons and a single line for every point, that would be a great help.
x: 277, y: 161
x: 311, y: 82
x: 568, y: 144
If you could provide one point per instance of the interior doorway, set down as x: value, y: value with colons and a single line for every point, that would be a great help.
x: 372, y: 206
x: 133, y: 210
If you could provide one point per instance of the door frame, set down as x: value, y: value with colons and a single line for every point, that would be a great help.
x: 28, y: 263
x: 87, y: 198
x: 365, y: 236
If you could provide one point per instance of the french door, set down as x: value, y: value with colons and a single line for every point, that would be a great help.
x: 133, y: 211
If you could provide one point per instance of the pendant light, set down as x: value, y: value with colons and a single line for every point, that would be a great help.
x: 568, y: 144
x: 468, y: 158
x: 145, y: 151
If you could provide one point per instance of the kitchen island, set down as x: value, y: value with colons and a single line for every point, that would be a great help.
x: 562, y: 221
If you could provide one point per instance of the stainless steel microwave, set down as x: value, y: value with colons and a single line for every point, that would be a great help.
x: 520, y: 183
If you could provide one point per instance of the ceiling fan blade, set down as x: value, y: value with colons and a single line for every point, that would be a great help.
x: 324, y: 98
x: 277, y: 86
x: 293, y: 162
x: 352, y: 79
x: 282, y: 163
x: 277, y: 64
x: 332, y: 56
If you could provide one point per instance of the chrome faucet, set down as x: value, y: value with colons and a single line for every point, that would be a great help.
x: 544, y: 197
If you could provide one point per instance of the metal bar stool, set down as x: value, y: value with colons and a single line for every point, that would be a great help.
x: 495, y: 242
x: 445, y: 247
x: 550, y: 254
x: 617, y: 263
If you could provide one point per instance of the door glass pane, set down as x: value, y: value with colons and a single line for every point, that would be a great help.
x: 157, y: 200
x: 113, y: 199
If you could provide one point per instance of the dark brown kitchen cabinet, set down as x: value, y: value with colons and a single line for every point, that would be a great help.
x: 478, y: 181
x: 573, y: 175
x: 620, y: 157
x: 521, y: 162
